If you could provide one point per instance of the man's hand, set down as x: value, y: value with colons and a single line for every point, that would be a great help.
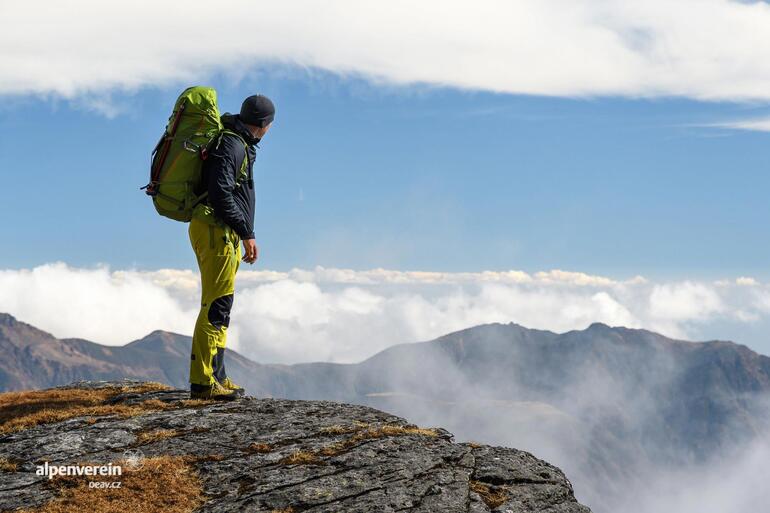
x: 250, y: 251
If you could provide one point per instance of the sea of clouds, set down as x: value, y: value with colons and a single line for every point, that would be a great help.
x: 343, y: 315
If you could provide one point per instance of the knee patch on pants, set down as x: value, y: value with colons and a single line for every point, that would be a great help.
x: 219, y: 311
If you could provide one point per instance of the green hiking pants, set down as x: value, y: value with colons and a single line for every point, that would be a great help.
x: 218, y: 255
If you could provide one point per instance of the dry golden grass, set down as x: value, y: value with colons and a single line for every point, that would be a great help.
x: 195, y: 403
x: 7, y: 465
x: 21, y: 410
x: 164, y: 483
x: 474, y: 445
x: 261, y: 448
x: 361, y: 431
x: 209, y: 457
x: 490, y: 497
x: 364, y: 431
x: 288, y: 509
x: 396, y: 430
x: 298, y: 457
x: 334, y: 449
x: 147, y: 437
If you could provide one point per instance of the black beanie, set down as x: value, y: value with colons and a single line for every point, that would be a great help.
x: 257, y: 110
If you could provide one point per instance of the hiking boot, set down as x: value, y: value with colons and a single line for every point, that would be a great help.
x: 228, y: 384
x: 215, y: 392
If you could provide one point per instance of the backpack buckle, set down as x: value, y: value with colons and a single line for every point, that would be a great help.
x: 190, y: 146
x: 149, y: 189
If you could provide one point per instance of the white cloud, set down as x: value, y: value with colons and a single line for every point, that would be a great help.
x: 375, y: 276
x: 344, y: 315
x: 96, y: 304
x: 684, y: 301
x: 732, y: 482
x: 753, y: 124
x: 706, y: 49
x: 574, y: 278
x: 746, y: 281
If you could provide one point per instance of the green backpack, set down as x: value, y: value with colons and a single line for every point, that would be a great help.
x: 177, y: 160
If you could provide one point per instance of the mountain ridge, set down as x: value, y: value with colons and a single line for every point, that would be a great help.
x: 177, y: 345
x: 604, y: 403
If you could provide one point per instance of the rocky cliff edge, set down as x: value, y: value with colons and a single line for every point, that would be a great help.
x: 260, y: 455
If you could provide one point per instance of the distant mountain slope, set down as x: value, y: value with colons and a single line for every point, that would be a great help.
x: 36, y: 359
x: 612, y: 406
x: 700, y: 393
x: 698, y: 390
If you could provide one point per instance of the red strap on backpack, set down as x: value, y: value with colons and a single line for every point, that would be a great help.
x: 155, y: 174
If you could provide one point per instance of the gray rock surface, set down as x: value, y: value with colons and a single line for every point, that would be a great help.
x: 241, y: 449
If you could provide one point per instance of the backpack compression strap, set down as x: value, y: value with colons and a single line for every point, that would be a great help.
x: 163, y: 146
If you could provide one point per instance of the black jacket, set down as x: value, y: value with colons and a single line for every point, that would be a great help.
x: 233, y: 205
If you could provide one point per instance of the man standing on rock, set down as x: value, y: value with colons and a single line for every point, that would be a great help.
x: 216, y: 229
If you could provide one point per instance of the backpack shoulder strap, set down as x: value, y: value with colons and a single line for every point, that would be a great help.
x: 245, y: 161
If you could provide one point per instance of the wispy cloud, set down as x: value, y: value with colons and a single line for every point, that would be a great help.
x: 761, y: 124
x: 705, y: 49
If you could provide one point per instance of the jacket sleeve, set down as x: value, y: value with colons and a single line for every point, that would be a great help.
x: 221, y: 168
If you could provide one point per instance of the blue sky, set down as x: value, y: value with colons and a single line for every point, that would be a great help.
x: 578, y: 147
x: 361, y: 175
x: 433, y: 166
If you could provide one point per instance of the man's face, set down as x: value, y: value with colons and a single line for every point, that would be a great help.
x: 264, y: 129
x: 259, y: 132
